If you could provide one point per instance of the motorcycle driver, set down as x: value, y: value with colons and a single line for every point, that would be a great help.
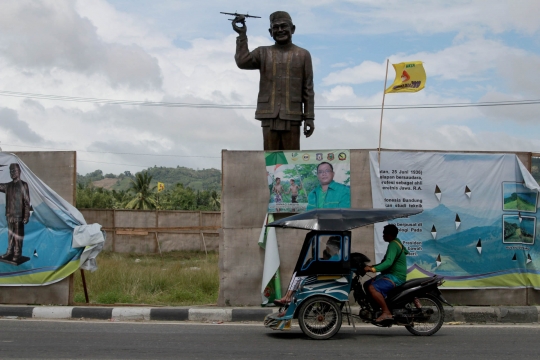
x: 393, y: 271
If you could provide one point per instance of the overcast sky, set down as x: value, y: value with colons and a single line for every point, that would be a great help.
x: 179, y: 51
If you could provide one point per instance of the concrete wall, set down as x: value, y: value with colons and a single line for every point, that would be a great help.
x: 58, y: 170
x: 140, y: 231
x: 244, y: 203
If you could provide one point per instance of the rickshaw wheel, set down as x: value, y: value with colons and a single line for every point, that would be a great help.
x: 319, y: 317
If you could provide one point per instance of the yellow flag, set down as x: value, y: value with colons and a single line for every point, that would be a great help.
x: 160, y: 187
x: 410, y: 77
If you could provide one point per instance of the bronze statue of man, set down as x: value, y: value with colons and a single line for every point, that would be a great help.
x: 286, y: 96
x: 17, y: 212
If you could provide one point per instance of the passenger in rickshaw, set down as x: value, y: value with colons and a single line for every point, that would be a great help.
x: 330, y: 253
x: 393, y: 270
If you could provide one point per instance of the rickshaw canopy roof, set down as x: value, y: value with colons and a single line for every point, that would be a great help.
x: 341, y: 219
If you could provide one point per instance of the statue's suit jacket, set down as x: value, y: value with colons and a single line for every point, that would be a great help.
x: 17, y: 201
x: 286, y: 84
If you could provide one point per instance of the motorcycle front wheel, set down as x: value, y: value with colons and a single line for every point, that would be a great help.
x: 319, y: 317
x: 430, y: 324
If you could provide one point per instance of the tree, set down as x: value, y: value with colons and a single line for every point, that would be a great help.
x: 121, y: 199
x: 90, y: 197
x: 215, y: 201
x: 181, y: 198
x: 144, y: 197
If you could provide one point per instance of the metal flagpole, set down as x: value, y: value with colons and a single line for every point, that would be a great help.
x: 382, y: 110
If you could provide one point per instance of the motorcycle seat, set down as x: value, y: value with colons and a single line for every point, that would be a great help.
x: 408, y: 285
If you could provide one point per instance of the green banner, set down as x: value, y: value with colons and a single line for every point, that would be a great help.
x: 304, y: 180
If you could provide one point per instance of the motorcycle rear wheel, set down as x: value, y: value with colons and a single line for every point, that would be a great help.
x: 319, y: 317
x: 435, y: 321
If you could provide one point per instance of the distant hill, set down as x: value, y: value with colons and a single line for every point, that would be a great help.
x: 206, y: 179
x: 106, y: 183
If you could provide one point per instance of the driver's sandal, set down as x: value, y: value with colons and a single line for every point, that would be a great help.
x: 383, y: 318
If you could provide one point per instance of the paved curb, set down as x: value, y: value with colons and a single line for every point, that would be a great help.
x: 493, y: 314
x: 459, y: 314
x: 137, y: 313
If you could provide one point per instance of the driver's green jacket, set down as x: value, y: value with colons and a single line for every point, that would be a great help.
x: 337, y: 196
x: 394, y: 262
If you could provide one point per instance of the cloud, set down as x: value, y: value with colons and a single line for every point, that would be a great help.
x: 43, y: 36
x: 429, y: 17
x: 472, y: 59
x: 367, y: 71
x: 520, y: 113
x: 342, y: 16
x: 10, y: 122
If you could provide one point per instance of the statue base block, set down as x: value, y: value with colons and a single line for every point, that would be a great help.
x: 20, y: 261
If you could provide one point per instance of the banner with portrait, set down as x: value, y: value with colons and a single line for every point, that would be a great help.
x: 479, y: 225
x: 306, y: 180
x: 37, y: 227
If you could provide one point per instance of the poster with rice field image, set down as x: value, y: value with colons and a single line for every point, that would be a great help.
x: 516, y: 197
x: 519, y: 229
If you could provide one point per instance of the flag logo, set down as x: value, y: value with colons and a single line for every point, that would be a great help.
x: 405, y: 76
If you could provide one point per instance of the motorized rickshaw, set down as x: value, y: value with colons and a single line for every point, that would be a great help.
x: 322, y: 298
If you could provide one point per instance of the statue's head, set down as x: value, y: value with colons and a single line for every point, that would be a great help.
x: 281, y: 27
x: 14, y: 171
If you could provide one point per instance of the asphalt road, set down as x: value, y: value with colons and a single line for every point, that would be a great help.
x: 27, y: 339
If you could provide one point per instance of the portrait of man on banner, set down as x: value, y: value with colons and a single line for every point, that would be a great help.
x: 306, y: 180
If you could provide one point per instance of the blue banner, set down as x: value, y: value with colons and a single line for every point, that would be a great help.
x: 36, y: 228
x: 479, y: 223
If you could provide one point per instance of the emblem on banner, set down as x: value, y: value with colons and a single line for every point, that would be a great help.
x: 342, y: 156
x: 294, y: 156
x: 305, y: 157
x: 318, y: 156
x: 330, y: 156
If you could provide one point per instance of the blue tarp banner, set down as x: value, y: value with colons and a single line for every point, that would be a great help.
x: 479, y: 225
x: 36, y: 228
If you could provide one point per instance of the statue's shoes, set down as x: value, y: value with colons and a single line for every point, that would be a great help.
x: 15, y: 258
x: 6, y: 256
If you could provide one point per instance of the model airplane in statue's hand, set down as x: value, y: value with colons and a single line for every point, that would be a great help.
x: 239, y: 18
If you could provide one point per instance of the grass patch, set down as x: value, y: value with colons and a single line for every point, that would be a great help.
x: 179, y: 278
x: 519, y: 205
